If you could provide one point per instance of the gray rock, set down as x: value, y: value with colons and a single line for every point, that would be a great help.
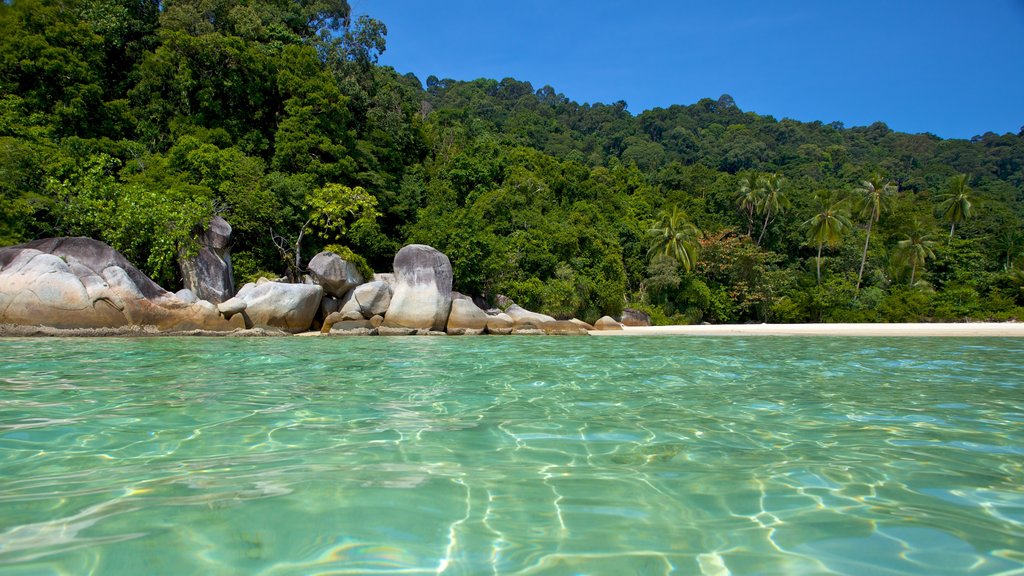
x: 186, y: 296
x: 231, y: 306
x: 607, y: 323
x: 385, y: 330
x: 335, y: 274
x: 633, y: 317
x: 328, y: 305
x: 422, y: 296
x: 500, y: 323
x: 289, y: 307
x: 582, y: 324
x: 520, y: 314
x: 353, y: 328
x: 350, y: 309
x: 563, y: 328
x: 466, y: 318
x: 74, y: 283
x: 208, y: 273
x: 373, y: 298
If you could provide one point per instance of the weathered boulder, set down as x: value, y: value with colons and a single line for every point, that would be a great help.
x: 582, y: 324
x: 563, y: 328
x: 334, y: 273
x: 633, y: 317
x: 208, y: 273
x: 289, y: 307
x: 231, y: 306
x: 186, y: 296
x: 500, y: 323
x: 373, y: 298
x: 84, y: 283
x: 607, y: 323
x: 352, y: 328
x: 422, y: 295
x: 466, y: 318
x: 520, y: 314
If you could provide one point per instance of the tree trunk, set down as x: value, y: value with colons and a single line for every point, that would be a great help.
x: 818, y: 262
x: 913, y: 272
x: 764, y: 227
x: 298, y: 251
x: 951, y: 228
x: 864, y: 256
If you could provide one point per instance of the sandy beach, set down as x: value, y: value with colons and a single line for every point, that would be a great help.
x: 959, y: 330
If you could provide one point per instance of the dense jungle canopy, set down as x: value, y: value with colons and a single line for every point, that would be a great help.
x: 136, y: 121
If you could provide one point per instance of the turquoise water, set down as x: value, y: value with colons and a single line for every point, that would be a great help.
x: 512, y: 455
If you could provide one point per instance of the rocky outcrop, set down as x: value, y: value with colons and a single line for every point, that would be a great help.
x: 422, y: 295
x: 289, y: 307
x: 633, y: 317
x: 563, y: 328
x: 500, y: 323
x: 466, y: 318
x: 372, y: 298
x: 520, y: 314
x: 84, y: 283
x: 607, y: 323
x: 335, y: 274
x: 208, y: 273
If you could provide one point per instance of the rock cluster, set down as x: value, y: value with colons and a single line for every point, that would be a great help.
x: 80, y: 283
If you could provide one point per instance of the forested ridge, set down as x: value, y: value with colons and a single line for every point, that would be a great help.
x: 135, y: 122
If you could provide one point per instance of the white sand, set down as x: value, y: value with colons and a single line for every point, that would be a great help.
x: 991, y: 329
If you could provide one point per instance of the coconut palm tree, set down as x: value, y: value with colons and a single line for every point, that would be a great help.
x: 873, y: 197
x: 772, y: 200
x: 955, y: 204
x: 916, y: 247
x: 747, y: 196
x: 829, y: 224
x: 675, y: 237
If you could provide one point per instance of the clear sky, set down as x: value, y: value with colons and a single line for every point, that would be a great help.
x: 954, y: 68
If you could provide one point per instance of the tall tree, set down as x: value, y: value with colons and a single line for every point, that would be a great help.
x: 675, y: 237
x: 916, y: 247
x: 873, y: 197
x: 772, y: 200
x: 828, y: 224
x: 747, y: 196
x: 955, y: 204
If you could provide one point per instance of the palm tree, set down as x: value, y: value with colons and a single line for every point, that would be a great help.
x: 772, y: 200
x: 916, y: 247
x: 828, y: 225
x: 747, y: 196
x: 674, y: 237
x: 955, y: 204
x: 873, y: 197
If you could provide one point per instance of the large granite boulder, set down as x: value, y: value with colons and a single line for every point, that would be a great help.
x: 373, y: 298
x: 633, y: 317
x: 208, y: 273
x: 500, y: 323
x: 334, y: 273
x: 84, y: 283
x: 607, y: 323
x: 466, y: 318
x: 522, y: 315
x: 289, y: 307
x: 422, y: 295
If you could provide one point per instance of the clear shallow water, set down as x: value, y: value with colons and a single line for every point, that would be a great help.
x: 514, y: 455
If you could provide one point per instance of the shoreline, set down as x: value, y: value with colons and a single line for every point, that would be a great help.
x: 919, y: 330
x: 916, y: 330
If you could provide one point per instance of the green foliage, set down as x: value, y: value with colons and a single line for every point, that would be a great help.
x: 348, y: 255
x: 135, y: 122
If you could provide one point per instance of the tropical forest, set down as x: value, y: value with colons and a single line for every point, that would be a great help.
x: 137, y: 121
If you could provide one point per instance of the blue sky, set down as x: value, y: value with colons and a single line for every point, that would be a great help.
x: 954, y: 68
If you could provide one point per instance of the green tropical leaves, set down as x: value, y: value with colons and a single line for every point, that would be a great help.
x: 828, y: 225
x: 675, y: 237
x: 955, y: 204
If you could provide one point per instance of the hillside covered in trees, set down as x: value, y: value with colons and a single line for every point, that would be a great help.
x: 136, y: 121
